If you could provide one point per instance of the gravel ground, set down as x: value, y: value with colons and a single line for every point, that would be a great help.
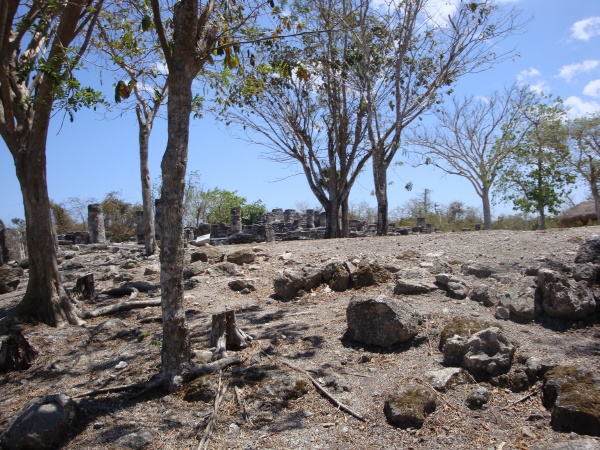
x: 308, y: 333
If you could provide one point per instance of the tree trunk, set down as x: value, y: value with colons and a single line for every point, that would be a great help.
x: 148, y: 218
x: 45, y: 299
x: 176, y: 357
x: 332, y: 213
x: 380, y: 181
x: 542, y: 218
x: 487, y: 210
x: 345, y: 219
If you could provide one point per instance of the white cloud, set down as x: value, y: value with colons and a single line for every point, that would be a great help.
x: 586, y: 29
x: 569, y: 72
x: 533, y: 78
x: 592, y: 89
x: 578, y: 107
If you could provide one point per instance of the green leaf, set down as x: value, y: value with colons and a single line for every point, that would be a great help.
x: 146, y: 23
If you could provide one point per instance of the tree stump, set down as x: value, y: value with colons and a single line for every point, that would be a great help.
x: 225, y: 335
x: 16, y: 353
x: 85, y: 288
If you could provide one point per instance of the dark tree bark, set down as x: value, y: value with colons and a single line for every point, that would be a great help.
x: 25, y: 130
x: 16, y: 353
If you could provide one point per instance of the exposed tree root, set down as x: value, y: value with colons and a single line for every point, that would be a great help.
x: 210, y: 426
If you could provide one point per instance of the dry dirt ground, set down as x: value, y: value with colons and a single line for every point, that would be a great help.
x: 308, y: 332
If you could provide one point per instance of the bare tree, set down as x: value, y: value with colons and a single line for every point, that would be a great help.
x: 428, y: 48
x: 301, y: 103
x: 38, y: 58
x: 125, y: 40
x: 466, y: 140
x: 585, y: 153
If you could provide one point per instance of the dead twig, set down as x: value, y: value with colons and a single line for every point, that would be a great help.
x: 522, y: 399
x: 211, y: 422
x: 242, y: 404
x: 320, y: 388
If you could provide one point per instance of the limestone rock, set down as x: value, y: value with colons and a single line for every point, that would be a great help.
x: 42, y: 423
x: 369, y: 273
x: 241, y: 257
x: 462, y: 326
x: 337, y: 274
x: 484, y: 354
x: 572, y: 394
x: 476, y: 269
x: 109, y: 329
x: 446, y: 378
x: 136, y: 440
x: 381, y: 321
x: 10, y: 277
x: 455, y: 287
x: 484, y: 293
x: 408, y: 407
x: 244, y: 286
x: 522, y: 300
x: 563, y: 297
x: 414, y: 281
x: 478, y: 397
x: 288, y: 282
x: 589, y: 251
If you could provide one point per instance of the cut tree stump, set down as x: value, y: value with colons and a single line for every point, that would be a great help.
x: 225, y: 335
x: 85, y: 288
x: 16, y: 353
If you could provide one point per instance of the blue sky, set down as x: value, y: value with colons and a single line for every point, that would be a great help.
x: 559, y: 54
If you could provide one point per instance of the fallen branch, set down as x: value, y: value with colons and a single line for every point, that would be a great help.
x: 118, y: 307
x: 522, y: 399
x: 197, y: 370
x: 211, y: 422
x: 320, y: 388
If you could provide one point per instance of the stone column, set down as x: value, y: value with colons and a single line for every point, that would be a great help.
x: 288, y: 215
x: 310, y: 218
x: 236, y: 220
x: 277, y: 214
x: 141, y: 236
x: 12, y: 247
x: 96, y: 224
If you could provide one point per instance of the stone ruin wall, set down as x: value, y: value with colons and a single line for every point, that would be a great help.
x: 276, y: 225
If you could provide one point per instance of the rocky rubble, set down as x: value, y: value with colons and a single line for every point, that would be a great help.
x: 404, y: 330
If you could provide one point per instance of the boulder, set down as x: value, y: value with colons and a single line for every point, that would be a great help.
x: 243, y: 286
x: 523, y: 300
x: 209, y: 254
x: 369, y: 273
x: 462, y: 326
x: 10, y: 277
x: 381, y: 321
x: 485, y: 354
x: 414, y: 281
x: 42, y: 423
x: 337, y: 274
x: 589, y: 251
x: 455, y: 287
x: 241, y: 257
x: 408, y: 407
x: 288, y: 282
x: 563, y: 297
x: 476, y: 269
x: 484, y: 293
x: 572, y: 394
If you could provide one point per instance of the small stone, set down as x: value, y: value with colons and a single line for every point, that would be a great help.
x: 99, y: 425
x: 527, y: 432
x: 121, y: 365
x: 365, y: 358
x: 502, y: 313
